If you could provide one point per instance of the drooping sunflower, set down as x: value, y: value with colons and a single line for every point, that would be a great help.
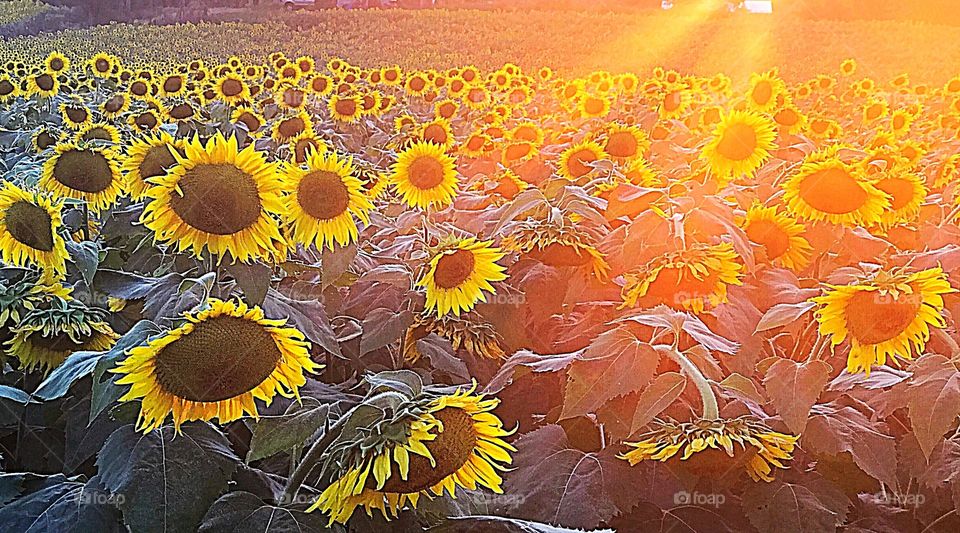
x: 88, y: 173
x: 458, y: 274
x: 557, y: 244
x: 43, y: 84
x: 575, y: 161
x: 693, y: 279
x: 218, y: 198
x: 47, y: 335
x: 148, y: 157
x: 453, y: 441
x: 288, y: 127
x: 907, y: 192
x: 886, y: 315
x: 215, y: 365
x: 325, y: 199
x: 252, y: 120
x: 830, y: 189
x: 29, y: 231
x: 740, y: 144
x: 44, y: 138
x: 780, y: 235
x: 98, y: 131
x: 712, y: 444
x: 467, y: 331
x: 425, y: 176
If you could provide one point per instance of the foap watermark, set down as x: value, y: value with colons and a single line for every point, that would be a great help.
x: 92, y: 497
x: 902, y: 501
x: 699, y: 498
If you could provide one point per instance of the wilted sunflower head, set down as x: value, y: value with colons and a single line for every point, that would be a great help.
x: 714, y: 444
x: 29, y: 231
x: 886, y: 314
x: 458, y: 274
x: 47, y: 335
x: 23, y: 291
x: 214, y: 365
x: 404, y: 442
x: 694, y: 278
x: 468, y: 332
x: 89, y: 173
x: 219, y: 198
x: 556, y: 244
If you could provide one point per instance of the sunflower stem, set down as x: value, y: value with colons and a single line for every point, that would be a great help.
x: 310, y: 460
x: 710, y: 409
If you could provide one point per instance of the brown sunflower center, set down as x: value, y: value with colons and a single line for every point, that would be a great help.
x: 114, y: 104
x: 676, y: 287
x: 139, y: 88
x: 454, y: 269
x: 426, y: 172
x: 181, y: 111
x: 672, y: 101
x: 156, y: 162
x: 833, y: 190
x: 6, y: 87
x: 517, y: 151
x: 147, y: 120
x: 435, y: 133
x: 250, y: 121
x: 217, y: 198
x: 323, y: 195
x: 30, y: 224
x: 739, y: 141
x: 173, y: 84
x: 231, y: 87
x: 97, y: 133
x: 56, y: 64
x: 83, y: 170
x: 899, y: 189
x: 102, y: 65
x: 290, y: 127
x: 222, y: 358
x: 577, y: 163
x: 762, y: 92
x: 303, y: 148
x: 593, y: 106
x: 622, y: 144
x: 770, y: 235
x: 873, y: 318
x: 346, y: 107
x: 45, y: 82
x: 45, y: 140
x: 76, y: 114
x: 451, y: 449
x: 418, y: 84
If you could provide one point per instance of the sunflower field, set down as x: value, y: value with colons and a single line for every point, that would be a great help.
x: 290, y: 289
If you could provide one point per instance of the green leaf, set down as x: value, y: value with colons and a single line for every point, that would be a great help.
x: 66, y: 506
x: 16, y: 395
x: 404, y: 381
x: 502, y: 524
x: 275, y: 434
x: 243, y: 512
x: 336, y: 262
x: 382, y: 327
x: 253, y: 279
x: 165, y: 482
x: 105, y: 391
x: 656, y: 397
x: 307, y: 316
x: 794, y: 387
x: 814, y: 506
x: 86, y: 255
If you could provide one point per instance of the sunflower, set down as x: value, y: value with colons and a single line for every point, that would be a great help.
x: 116, y: 105
x: 705, y: 439
x: 324, y: 202
x: 575, y: 161
x: 75, y: 114
x: 740, y: 144
x: 467, y: 331
x: 476, y: 144
x: 219, y: 198
x: 764, y: 90
x: 305, y: 144
x: 102, y: 64
x: 98, y: 131
x: 907, y: 192
x: 887, y: 314
x: 231, y: 88
x: 251, y: 120
x: 47, y: 335
x: 458, y: 274
x: 832, y: 190
x: 345, y: 108
x: 624, y: 142
x: 214, y: 365
x: 8, y: 89
x: 288, y: 127
x: 517, y: 152
x: 56, y: 63
x: 425, y: 176
x: 90, y: 173
x: 43, y: 84
x: 29, y: 231
x: 148, y: 157
x: 44, y: 138
x: 780, y: 236
x: 438, y: 132
x: 675, y: 102
x: 693, y: 279
x: 557, y: 245
x: 593, y: 105
x: 453, y: 441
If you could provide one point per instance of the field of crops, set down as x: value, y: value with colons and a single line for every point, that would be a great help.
x: 426, y: 270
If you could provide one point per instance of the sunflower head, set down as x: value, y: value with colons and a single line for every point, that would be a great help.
x: 83, y: 172
x: 740, y: 143
x: 215, y: 365
x: 780, y: 236
x: 716, y: 445
x: 425, y: 176
x: 30, y: 226
x: 219, y: 198
x: 887, y: 314
x: 694, y: 279
x: 825, y: 188
x: 431, y: 445
x: 326, y: 199
x: 458, y: 274
x: 467, y: 332
x: 577, y: 161
x: 147, y: 158
x: 557, y: 244
x: 47, y: 335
